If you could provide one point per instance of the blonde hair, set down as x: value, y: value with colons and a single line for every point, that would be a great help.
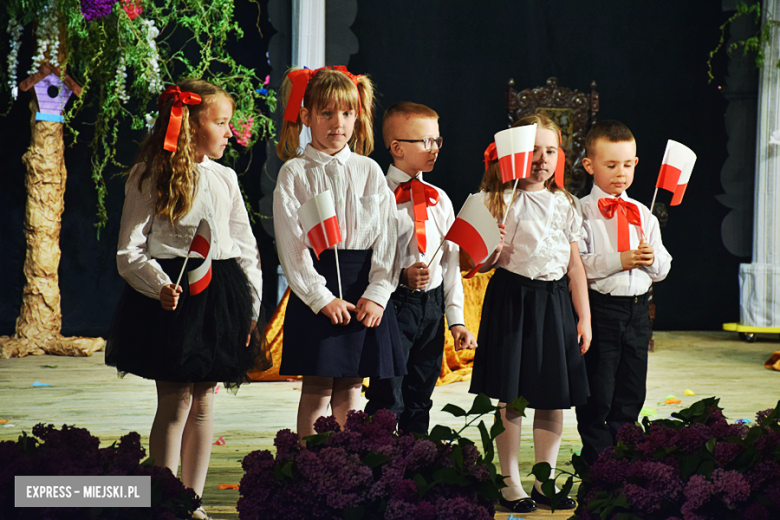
x: 326, y: 87
x: 491, y: 180
x: 173, y: 173
x: 407, y: 110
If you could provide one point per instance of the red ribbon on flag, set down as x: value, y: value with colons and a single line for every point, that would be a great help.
x: 627, y: 212
x: 300, y: 79
x: 174, y: 123
x: 421, y: 196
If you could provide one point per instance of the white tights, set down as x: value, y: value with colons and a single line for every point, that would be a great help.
x: 548, y: 426
x: 184, y: 427
x: 341, y: 393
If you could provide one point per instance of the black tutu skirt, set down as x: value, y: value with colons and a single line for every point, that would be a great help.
x: 202, y: 340
x: 528, y: 344
x: 313, y: 346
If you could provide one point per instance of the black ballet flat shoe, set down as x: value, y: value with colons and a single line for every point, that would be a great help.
x: 521, y: 505
x: 564, y: 503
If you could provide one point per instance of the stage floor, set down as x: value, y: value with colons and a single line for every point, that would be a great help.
x: 85, y: 393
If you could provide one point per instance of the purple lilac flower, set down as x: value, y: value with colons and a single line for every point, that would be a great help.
x: 93, y: 9
x: 630, y: 434
x: 425, y: 511
x: 768, y: 442
x: 400, y: 510
x: 287, y: 444
x: 606, y: 470
x: 725, y: 452
x: 762, y: 415
x: 422, y: 454
x: 326, y: 424
x: 690, y: 439
x: 657, y: 437
x: 755, y: 511
x: 650, y: 483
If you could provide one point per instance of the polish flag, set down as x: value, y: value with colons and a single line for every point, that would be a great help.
x: 676, y: 170
x: 475, y: 231
x: 200, y: 277
x: 318, y: 218
x: 515, y: 149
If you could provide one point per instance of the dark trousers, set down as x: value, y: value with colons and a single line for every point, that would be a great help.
x: 421, y: 323
x: 617, y: 369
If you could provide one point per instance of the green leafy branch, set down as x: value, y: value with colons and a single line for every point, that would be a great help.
x: 752, y: 45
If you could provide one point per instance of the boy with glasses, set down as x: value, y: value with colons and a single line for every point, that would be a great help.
x: 430, y: 287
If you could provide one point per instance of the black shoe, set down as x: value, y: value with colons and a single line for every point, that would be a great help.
x: 564, y: 503
x: 522, y: 505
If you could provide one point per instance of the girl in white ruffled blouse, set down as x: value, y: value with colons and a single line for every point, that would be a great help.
x: 186, y: 340
x: 530, y: 343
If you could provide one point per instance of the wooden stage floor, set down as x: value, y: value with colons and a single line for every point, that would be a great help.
x: 86, y: 393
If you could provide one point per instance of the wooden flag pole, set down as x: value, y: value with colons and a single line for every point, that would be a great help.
x: 338, y: 271
x: 430, y: 261
x: 183, y: 267
x: 506, y: 212
x: 653, y: 203
x: 335, y: 246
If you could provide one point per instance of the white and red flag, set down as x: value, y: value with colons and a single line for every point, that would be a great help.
x: 515, y: 150
x: 200, y: 277
x: 475, y: 231
x: 676, y: 170
x: 319, y: 221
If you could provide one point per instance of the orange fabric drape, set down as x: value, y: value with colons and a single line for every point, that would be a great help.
x: 456, y: 366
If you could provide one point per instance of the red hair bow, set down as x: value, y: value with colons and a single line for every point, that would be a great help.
x: 174, y: 123
x: 300, y: 79
x: 490, y: 154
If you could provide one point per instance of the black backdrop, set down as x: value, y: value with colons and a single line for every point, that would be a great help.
x: 648, y: 59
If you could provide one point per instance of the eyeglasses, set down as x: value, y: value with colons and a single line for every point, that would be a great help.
x: 427, y: 142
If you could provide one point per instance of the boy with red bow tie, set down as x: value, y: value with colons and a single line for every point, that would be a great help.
x: 430, y: 287
x: 623, y: 255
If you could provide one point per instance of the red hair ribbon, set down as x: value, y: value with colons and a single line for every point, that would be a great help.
x: 300, y: 79
x: 491, y: 154
x: 626, y: 212
x: 422, y: 196
x: 560, y: 168
x: 174, y: 123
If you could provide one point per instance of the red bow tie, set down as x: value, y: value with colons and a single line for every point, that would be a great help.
x: 626, y: 212
x: 422, y: 196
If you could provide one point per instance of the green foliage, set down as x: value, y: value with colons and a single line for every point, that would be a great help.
x: 752, y: 45
x: 122, y: 65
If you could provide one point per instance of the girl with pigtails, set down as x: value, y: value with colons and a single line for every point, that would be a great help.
x: 334, y: 342
x: 186, y: 340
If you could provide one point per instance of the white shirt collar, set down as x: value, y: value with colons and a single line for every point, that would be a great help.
x: 398, y: 176
x: 322, y: 158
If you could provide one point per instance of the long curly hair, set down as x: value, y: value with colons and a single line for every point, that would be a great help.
x: 174, y: 173
x: 326, y: 87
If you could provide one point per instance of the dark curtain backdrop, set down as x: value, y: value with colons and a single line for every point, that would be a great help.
x: 648, y: 59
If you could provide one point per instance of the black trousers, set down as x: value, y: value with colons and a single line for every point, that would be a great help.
x: 420, y: 318
x: 617, y: 369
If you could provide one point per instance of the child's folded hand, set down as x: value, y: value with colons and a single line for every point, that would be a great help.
x: 463, y: 338
x: 169, y: 296
x: 637, y: 257
x: 338, y: 311
x: 369, y: 313
x: 416, y: 276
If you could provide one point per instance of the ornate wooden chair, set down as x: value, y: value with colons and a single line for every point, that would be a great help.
x: 574, y: 111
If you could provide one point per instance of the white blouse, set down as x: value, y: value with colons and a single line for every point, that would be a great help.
x: 540, y: 228
x: 445, y: 268
x: 365, y: 208
x: 143, y: 236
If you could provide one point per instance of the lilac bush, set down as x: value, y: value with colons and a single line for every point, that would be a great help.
x: 695, y: 466
x: 74, y: 451
x: 370, y: 470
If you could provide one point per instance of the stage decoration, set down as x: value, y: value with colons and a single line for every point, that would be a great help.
x: 370, y: 470
x: 74, y: 451
x: 116, y: 56
x: 694, y: 465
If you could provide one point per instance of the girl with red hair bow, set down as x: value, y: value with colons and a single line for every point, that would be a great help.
x: 334, y: 342
x: 186, y: 340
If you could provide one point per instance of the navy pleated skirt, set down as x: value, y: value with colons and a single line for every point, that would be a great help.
x: 313, y: 346
x: 528, y: 344
x: 203, y: 340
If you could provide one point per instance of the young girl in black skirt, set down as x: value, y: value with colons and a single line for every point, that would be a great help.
x: 186, y: 343
x: 529, y: 342
x: 334, y: 342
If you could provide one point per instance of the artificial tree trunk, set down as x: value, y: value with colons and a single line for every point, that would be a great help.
x: 39, y: 323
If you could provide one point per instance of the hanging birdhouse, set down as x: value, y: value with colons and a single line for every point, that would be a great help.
x: 52, y: 90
